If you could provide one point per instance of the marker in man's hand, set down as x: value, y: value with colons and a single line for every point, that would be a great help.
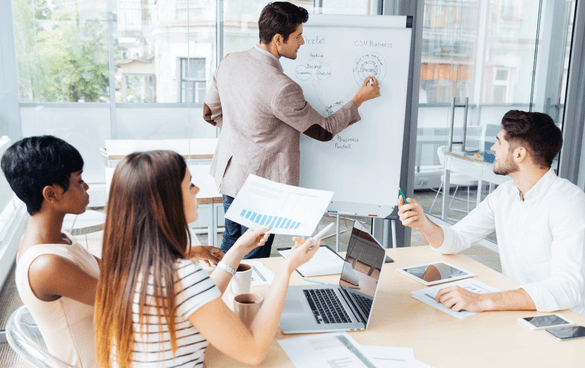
x: 402, y: 194
x: 370, y: 82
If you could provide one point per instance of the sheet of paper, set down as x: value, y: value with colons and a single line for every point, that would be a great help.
x: 261, y: 275
x: 332, y: 350
x: 324, y: 262
x: 390, y: 357
x: 287, y: 209
x: 428, y: 295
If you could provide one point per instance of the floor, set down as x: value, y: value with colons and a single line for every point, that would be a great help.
x: 9, y: 300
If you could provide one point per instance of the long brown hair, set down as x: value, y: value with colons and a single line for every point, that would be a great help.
x: 145, y: 233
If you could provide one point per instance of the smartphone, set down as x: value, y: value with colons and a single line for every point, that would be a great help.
x: 567, y: 333
x: 546, y: 321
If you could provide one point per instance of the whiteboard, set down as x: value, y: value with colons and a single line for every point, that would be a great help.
x: 362, y: 164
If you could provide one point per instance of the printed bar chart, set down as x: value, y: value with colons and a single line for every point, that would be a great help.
x: 272, y: 221
x: 286, y: 209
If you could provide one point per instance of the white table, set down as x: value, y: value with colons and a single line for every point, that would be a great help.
x: 190, y: 149
x: 472, y: 166
x: 208, y: 195
x: 86, y: 223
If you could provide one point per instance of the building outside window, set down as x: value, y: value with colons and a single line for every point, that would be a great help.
x: 193, y: 80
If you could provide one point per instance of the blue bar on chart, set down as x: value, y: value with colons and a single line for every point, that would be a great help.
x: 272, y: 221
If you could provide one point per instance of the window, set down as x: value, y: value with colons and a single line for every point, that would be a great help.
x: 193, y: 84
x: 500, y: 86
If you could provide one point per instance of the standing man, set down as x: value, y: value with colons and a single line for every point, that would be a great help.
x: 261, y: 113
x: 539, y: 220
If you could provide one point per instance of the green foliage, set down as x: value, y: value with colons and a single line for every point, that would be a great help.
x: 59, y: 60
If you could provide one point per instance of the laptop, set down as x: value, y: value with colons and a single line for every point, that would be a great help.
x: 344, y: 307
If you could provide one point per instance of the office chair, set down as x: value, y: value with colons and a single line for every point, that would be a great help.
x: 25, y: 339
x: 456, y: 179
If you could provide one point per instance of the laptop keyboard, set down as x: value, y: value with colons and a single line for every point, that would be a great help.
x: 364, y: 303
x: 326, y: 306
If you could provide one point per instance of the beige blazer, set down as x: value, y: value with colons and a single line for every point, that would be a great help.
x: 261, y: 113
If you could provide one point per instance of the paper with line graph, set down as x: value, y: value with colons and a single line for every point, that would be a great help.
x: 332, y: 350
x: 428, y: 295
x: 287, y: 209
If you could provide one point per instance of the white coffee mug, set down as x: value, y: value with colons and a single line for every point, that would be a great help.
x: 242, y: 281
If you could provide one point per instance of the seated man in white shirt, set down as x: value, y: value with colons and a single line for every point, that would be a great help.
x: 539, y: 220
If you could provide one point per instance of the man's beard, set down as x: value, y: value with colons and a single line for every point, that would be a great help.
x: 505, y: 168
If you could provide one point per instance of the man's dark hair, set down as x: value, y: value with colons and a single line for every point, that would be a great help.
x: 280, y: 18
x: 536, y: 131
x: 36, y: 162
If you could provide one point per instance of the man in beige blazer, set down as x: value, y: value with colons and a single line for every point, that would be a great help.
x: 261, y: 113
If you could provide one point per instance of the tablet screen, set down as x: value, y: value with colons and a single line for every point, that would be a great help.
x: 435, y: 272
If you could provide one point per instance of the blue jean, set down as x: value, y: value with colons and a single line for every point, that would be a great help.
x: 233, y: 231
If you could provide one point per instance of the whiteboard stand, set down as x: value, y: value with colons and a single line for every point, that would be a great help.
x: 392, y: 218
x: 337, y: 232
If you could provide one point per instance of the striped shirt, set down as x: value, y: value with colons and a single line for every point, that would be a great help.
x: 193, y: 289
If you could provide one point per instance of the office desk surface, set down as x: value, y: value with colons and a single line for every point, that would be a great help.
x: 489, y: 339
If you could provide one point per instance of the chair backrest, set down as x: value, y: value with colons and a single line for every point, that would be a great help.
x: 441, y: 153
x: 25, y: 339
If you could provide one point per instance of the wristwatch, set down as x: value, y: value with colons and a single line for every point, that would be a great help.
x: 226, y: 268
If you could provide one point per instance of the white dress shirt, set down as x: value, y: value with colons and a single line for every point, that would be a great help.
x: 541, y: 239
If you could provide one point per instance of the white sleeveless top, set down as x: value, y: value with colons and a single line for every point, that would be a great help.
x: 66, y: 325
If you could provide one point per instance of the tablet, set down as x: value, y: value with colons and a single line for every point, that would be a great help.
x: 435, y: 273
x: 546, y: 321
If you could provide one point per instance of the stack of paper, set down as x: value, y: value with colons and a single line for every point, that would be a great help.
x: 325, y: 262
x: 338, y: 350
x: 261, y: 275
x: 429, y: 294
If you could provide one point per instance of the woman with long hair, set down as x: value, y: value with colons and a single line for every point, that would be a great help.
x: 156, y: 308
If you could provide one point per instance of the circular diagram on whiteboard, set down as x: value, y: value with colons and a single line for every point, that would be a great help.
x: 369, y: 64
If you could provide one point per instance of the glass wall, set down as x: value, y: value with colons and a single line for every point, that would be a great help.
x: 97, y: 70
x: 500, y: 55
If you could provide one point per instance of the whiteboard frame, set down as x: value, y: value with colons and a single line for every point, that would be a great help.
x: 374, y: 210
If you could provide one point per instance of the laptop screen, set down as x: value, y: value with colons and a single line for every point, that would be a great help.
x: 361, y: 270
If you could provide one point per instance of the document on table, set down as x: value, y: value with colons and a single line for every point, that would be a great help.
x: 325, y: 262
x: 332, y: 350
x: 261, y: 275
x: 287, y: 209
x: 390, y: 357
x: 429, y: 294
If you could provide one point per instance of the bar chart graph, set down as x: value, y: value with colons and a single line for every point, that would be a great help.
x: 276, y: 222
x: 285, y: 209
